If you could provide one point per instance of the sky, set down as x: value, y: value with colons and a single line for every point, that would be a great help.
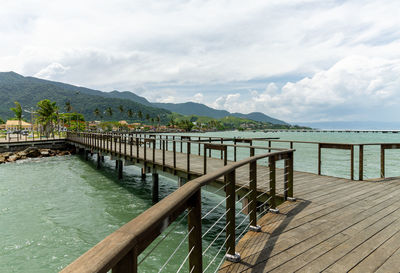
x: 296, y: 60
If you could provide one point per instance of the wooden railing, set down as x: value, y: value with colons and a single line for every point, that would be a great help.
x: 352, y: 147
x: 120, y: 250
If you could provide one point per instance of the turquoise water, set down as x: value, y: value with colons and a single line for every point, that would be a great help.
x: 52, y: 210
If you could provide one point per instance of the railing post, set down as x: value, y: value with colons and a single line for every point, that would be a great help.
x: 163, y: 155
x: 127, y: 264
x: 222, y: 152
x: 319, y: 159
x: 205, y: 160
x: 382, y: 161
x: 235, y: 150
x: 290, y: 177
x: 199, y: 146
x: 174, y: 153
x: 188, y: 160
x: 194, y: 227
x: 272, y: 184
x: 154, y: 152
x: 361, y: 163
x: 253, y: 194
x: 137, y: 149
x: 231, y: 255
x: 352, y: 162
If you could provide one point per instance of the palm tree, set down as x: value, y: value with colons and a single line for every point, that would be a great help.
x: 121, y: 108
x: 140, y: 115
x: 109, y: 111
x: 130, y: 113
x: 47, y: 114
x: 96, y: 112
x: 158, y: 120
x: 148, y: 117
x: 17, y: 112
x: 68, y: 108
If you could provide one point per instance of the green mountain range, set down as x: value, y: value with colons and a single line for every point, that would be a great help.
x: 29, y: 90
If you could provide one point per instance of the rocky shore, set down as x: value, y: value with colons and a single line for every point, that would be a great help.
x: 32, y: 152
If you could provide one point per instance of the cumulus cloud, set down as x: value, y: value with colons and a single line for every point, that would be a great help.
x: 166, y: 44
x: 52, y: 71
x: 355, y: 87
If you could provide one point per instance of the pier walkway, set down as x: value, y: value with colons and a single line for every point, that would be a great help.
x: 335, y: 225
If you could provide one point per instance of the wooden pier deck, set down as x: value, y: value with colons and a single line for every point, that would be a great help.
x: 337, y: 225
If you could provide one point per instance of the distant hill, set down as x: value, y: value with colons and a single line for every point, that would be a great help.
x: 29, y: 90
x: 193, y: 108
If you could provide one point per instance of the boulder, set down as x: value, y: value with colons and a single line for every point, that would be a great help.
x: 32, y: 152
x: 45, y: 152
x: 64, y: 153
x: 13, y: 158
x: 7, y: 154
x: 2, y: 159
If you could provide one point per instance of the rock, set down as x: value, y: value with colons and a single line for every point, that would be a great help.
x: 32, y: 152
x: 13, y: 158
x: 2, y: 159
x: 64, y: 153
x: 22, y: 154
x: 7, y: 154
x: 45, y: 152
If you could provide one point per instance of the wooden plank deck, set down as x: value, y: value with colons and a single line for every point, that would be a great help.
x: 336, y: 225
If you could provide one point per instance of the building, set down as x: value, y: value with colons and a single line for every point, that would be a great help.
x: 15, y: 125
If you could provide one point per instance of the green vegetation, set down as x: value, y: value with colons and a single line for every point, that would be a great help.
x: 1, y: 121
x: 17, y: 112
x: 28, y: 91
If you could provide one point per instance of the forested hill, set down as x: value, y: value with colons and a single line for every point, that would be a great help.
x: 29, y: 90
x: 192, y: 108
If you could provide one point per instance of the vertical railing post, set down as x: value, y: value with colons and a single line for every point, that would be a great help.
x: 290, y: 176
x: 253, y: 194
x: 154, y: 152
x: 127, y: 264
x: 205, y: 160
x: 352, y: 162
x: 137, y: 149
x: 231, y: 255
x: 194, y: 227
x: 199, y: 146
x: 319, y: 158
x: 222, y: 152
x: 272, y: 184
x: 382, y: 161
x: 188, y: 160
x: 285, y: 179
x: 361, y: 163
x: 163, y: 155
x: 174, y: 153
x: 234, y: 150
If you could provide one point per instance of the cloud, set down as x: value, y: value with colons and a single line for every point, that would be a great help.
x: 194, y: 45
x: 368, y: 85
x: 52, y: 71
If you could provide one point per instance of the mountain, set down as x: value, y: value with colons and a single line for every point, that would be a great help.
x: 29, y: 90
x: 258, y: 116
x: 193, y: 108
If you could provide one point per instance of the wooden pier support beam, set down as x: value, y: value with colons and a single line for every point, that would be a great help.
x: 120, y: 169
x: 154, y: 176
x: 143, y: 172
x: 98, y: 161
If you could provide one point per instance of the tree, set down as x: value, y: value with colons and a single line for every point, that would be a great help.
x: 68, y: 106
x: 96, y: 112
x: 46, y: 115
x: 109, y: 111
x: 130, y: 113
x: 121, y: 108
x: 158, y: 120
x: 17, y: 112
x: 148, y: 117
x: 1, y: 121
x: 140, y: 115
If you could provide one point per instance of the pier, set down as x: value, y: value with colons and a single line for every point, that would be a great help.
x: 295, y: 221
